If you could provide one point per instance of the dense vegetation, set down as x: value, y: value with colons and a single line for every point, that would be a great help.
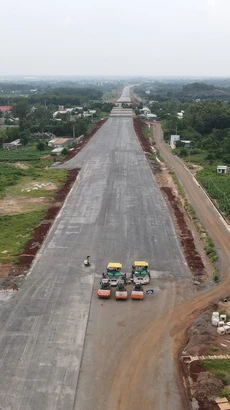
x: 184, y: 90
x: 35, y: 108
x: 206, y: 123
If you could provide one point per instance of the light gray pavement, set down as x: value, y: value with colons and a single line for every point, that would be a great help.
x: 114, y: 212
x: 125, y: 96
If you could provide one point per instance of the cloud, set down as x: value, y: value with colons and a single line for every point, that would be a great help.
x: 212, y: 4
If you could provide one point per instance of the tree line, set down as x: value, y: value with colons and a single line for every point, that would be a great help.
x: 207, y: 125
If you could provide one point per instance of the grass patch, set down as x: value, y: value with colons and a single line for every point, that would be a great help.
x: 15, y: 231
x: 19, y: 179
x: 213, y: 349
x: 153, y: 159
x: 195, y: 156
x: 147, y: 132
x: 29, y: 153
x: 159, y: 156
x: 220, y: 368
x: 178, y: 184
x: 225, y: 392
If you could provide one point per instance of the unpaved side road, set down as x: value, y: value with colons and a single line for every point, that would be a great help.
x: 205, y: 211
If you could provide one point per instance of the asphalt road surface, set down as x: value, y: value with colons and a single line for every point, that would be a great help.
x: 61, y: 347
x: 125, y: 96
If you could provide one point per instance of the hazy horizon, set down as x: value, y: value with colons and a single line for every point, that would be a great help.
x: 150, y: 39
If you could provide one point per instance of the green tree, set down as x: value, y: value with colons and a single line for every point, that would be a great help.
x: 20, y: 109
x: 65, y: 151
x: 25, y: 136
x: 183, y: 152
x: 40, y: 146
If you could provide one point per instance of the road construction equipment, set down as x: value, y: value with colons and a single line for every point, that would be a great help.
x: 121, y: 291
x: 114, y: 272
x: 140, y: 272
x: 86, y: 261
x: 105, y: 289
x: 137, y: 292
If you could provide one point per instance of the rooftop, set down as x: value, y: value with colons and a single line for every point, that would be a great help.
x: 5, y: 108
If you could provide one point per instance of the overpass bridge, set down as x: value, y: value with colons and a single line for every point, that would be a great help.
x: 121, y: 112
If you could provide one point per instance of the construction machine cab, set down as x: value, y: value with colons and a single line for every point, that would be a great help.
x: 140, y: 272
x: 105, y: 284
x: 114, y: 272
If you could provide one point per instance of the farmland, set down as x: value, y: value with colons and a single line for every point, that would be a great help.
x: 29, y: 153
x: 217, y: 187
x: 26, y: 191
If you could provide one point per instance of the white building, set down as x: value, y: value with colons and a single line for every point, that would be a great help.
x: 180, y: 115
x: 222, y: 169
x: 11, y: 145
x: 145, y: 110
x: 60, y: 142
x: 187, y: 143
x: 57, y: 151
x: 151, y: 117
x: 173, y: 140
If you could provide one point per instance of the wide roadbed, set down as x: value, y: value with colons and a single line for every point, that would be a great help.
x: 115, y: 212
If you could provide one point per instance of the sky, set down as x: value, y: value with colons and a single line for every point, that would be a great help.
x: 115, y: 37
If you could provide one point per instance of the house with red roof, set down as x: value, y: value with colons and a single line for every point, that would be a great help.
x: 5, y: 108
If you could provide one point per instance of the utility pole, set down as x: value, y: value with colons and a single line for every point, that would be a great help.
x: 73, y: 131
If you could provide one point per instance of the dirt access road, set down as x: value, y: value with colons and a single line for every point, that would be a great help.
x: 205, y: 211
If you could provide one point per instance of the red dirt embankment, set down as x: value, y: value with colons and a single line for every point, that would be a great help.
x: 138, y: 127
x: 34, y: 244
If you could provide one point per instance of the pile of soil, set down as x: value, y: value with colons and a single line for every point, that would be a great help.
x: 205, y: 387
x: 138, y: 127
x: 192, y: 257
x: 201, y: 331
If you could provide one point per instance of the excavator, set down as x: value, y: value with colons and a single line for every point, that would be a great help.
x: 104, y: 291
x: 121, y: 291
x: 140, y: 272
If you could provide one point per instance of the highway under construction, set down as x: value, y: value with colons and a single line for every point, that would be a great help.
x: 62, y: 347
